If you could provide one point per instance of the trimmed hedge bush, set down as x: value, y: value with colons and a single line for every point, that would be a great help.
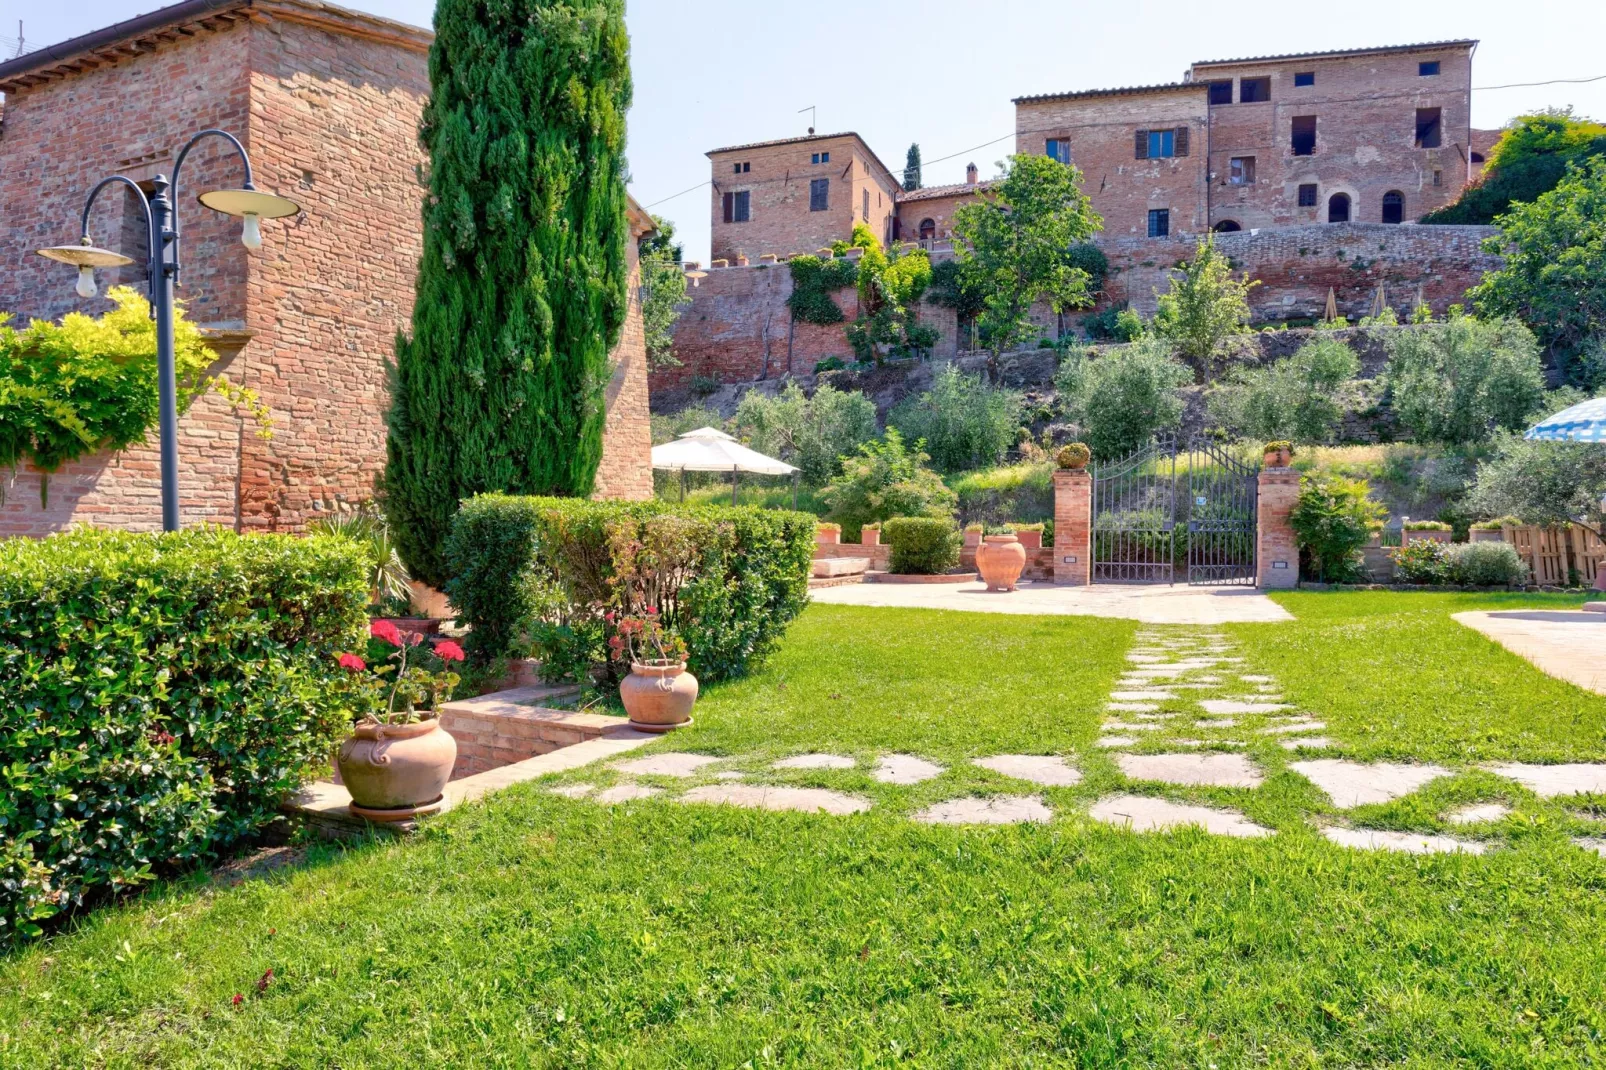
x: 1487, y: 564
x: 923, y: 546
x: 538, y: 574
x: 159, y: 697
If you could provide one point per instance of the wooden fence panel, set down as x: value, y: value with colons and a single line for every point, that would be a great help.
x: 1557, y: 556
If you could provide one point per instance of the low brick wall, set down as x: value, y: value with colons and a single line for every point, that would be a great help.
x: 509, y: 726
x: 878, y: 555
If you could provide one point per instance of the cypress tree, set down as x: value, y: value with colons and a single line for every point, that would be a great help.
x: 522, y: 286
x: 911, y: 168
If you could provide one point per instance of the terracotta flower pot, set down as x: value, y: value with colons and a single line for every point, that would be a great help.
x: 395, y: 771
x: 658, y: 698
x: 1000, y: 559
x: 870, y: 537
x: 1278, y: 458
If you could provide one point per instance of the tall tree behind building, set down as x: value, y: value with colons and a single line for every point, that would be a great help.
x: 911, y: 168
x: 522, y: 287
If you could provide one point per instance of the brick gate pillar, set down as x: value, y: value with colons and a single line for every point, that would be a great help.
x: 1277, y: 552
x: 1073, y: 526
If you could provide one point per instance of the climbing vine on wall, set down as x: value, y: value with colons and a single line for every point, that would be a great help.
x: 814, y: 280
x: 85, y: 384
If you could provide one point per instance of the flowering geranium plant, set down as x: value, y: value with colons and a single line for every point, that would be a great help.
x: 644, y: 639
x: 410, y: 690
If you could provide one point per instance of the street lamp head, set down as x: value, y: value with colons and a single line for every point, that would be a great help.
x: 251, y: 206
x: 86, y: 258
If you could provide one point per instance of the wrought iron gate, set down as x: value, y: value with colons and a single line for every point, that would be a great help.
x: 1164, y: 510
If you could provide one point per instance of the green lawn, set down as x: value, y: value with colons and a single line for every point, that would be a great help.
x: 538, y: 930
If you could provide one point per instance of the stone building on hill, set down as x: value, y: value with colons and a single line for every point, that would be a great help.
x: 327, y: 103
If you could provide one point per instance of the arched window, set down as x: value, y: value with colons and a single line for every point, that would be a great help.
x: 1338, y: 208
x: 1226, y: 226
x: 928, y: 229
x: 1393, y: 206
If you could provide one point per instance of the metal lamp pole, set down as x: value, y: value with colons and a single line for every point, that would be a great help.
x: 162, y: 267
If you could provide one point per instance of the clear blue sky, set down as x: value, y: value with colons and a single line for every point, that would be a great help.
x: 942, y: 72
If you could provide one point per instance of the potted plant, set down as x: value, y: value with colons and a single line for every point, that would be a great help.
x: 1030, y: 535
x: 659, y: 692
x: 827, y: 533
x: 870, y: 535
x: 397, y: 761
x: 1000, y: 559
x: 1433, y: 530
x: 1073, y: 457
x: 973, y: 534
x: 1279, y: 454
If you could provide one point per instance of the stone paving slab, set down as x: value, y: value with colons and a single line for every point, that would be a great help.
x: 1046, y: 769
x: 1350, y: 783
x: 1141, y: 696
x: 1591, y: 843
x: 1131, y: 707
x: 1548, y: 781
x: 1113, y: 742
x: 1306, y: 743
x: 1471, y: 815
x: 1294, y: 727
x: 1214, y: 770
x: 905, y: 769
x: 624, y: 793
x: 1156, y: 604
x: 1140, y: 813
x: 574, y: 791
x: 995, y: 810
x: 762, y: 797
x: 1228, y: 705
x: 666, y: 763
x: 1409, y: 842
x: 816, y: 761
x: 1562, y: 643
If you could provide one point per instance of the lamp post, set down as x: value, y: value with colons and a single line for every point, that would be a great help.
x: 162, y: 266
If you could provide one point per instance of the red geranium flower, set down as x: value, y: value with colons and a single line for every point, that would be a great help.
x: 352, y: 663
x: 386, y: 631
x: 449, y: 651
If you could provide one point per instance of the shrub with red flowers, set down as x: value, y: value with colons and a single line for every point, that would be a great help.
x: 412, y: 683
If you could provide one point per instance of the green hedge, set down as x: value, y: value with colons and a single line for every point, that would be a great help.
x: 921, y: 545
x: 538, y: 574
x: 159, y: 696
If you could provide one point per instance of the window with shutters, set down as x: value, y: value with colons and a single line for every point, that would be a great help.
x: 1307, y: 195
x: 1302, y: 135
x: 1221, y: 92
x: 1393, y: 206
x: 1304, y: 78
x: 1254, y: 90
x: 1058, y: 148
x: 1241, y: 171
x: 1429, y: 130
x: 1159, y: 222
x: 1160, y: 144
x: 819, y: 194
x: 1428, y: 69
x: 736, y: 206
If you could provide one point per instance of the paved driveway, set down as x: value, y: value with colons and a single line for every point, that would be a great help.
x: 1566, y: 644
x: 1149, y: 603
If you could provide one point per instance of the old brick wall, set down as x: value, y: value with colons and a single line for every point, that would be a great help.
x: 1365, y: 109
x: 1297, y: 265
x: 334, y: 126
x: 1122, y: 187
x: 60, y: 138
x: 777, y: 180
x: 626, y: 467
x: 937, y: 204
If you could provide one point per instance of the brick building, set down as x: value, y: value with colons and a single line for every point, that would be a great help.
x: 1376, y: 135
x: 327, y: 103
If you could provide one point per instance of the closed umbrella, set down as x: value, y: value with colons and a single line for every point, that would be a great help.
x: 1332, y: 306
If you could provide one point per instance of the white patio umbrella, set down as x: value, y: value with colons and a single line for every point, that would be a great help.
x: 709, y: 450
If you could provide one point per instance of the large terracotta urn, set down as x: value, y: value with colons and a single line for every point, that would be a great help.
x: 658, y: 698
x: 1000, y: 559
x: 396, y: 771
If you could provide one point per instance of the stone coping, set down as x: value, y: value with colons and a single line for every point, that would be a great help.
x: 902, y: 577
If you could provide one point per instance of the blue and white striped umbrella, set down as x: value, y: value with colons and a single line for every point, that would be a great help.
x: 1584, y: 422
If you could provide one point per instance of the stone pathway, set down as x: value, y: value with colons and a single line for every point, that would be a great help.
x: 1142, y: 813
x: 1047, y: 770
x: 994, y: 810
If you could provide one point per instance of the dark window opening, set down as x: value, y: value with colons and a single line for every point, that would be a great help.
x: 1393, y: 206
x: 819, y: 194
x: 1304, y: 78
x: 1303, y: 135
x: 1429, y: 129
x: 928, y: 229
x: 1159, y: 222
x: 1477, y: 157
x: 1058, y: 148
x: 134, y: 240
x: 736, y: 206
x: 1338, y: 208
x: 1241, y: 171
x: 1438, y: 177
x: 1227, y: 226
x: 1254, y: 90
x: 741, y: 168
x: 1221, y: 92
x: 820, y: 157
x: 866, y: 201
x: 1307, y: 195
x: 1428, y: 69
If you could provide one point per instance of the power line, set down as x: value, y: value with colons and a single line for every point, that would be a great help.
x: 1553, y: 81
x: 682, y: 193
